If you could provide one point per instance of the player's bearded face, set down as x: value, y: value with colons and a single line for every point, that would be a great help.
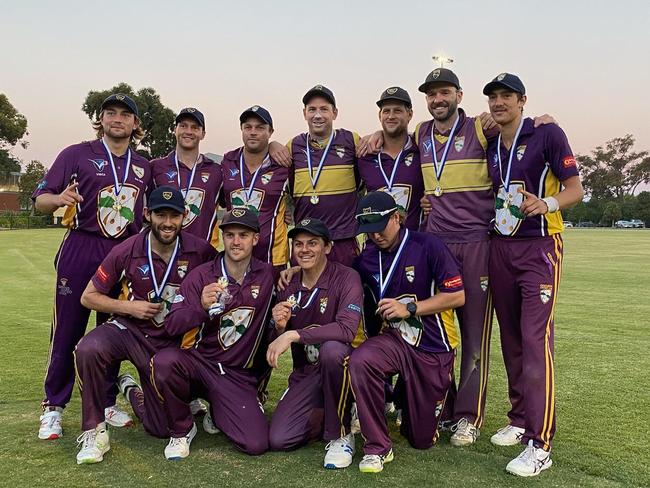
x: 395, y: 118
x: 238, y: 242
x: 505, y: 106
x: 118, y: 122
x: 165, y: 224
x: 320, y: 116
x: 310, y: 251
x: 443, y: 101
x: 255, y: 135
x: 189, y: 133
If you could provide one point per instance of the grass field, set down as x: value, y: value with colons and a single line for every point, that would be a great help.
x: 603, y: 405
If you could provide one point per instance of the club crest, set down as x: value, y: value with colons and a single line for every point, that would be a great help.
x: 139, y: 172
x: 255, y: 291
x: 340, y: 151
x: 181, y: 268
x: 501, y: 76
x: 238, y: 198
x: 305, y: 222
x: 391, y: 91
x: 238, y: 212
x: 435, y: 74
x: 167, y: 195
x: 323, y: 304
x: 408, y: 160
x: 120, y: 97
x: 234, y: 324
x: 545, y: 292
x: 116, y: 212
x: 167, y: 299
x: 193, y: 204
x: 410, y: 273
x: 266, y: 178
x: 520, y: 152
x: 484, y: 283
x: 205, y: 177
x: 459, y: 142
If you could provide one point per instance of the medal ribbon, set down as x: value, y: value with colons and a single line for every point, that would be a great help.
x: 225, y: 273
x: 159, y: 289
x: 249, y: 191
x: 314, y: 181
x: 178, y: 174
x: 389, y: 182
x: 513, y: 150
x: 384, y: 284
x: 309, y: 300
x: 440, y: 165
x: 118, y: 186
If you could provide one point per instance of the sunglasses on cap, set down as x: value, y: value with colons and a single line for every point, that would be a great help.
x: 374, y: 217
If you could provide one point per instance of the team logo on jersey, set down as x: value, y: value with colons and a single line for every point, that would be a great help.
x: 410, y: 273
x: 115, y: 212
x: 99, y: 164
x: 255, y: 291
x: 144, y: 269
x: 340, y: 151
x: 508, y: 216
x: 484, y: 283
x: 205, y: 177
x: 181, y: 268
x: 410, y: 328
x: 427, y: 146
x: 171, y: 174
x: 139, y: 172
x: 63, y: 288
x: 520, y: 151
x: 459, y: 142
x: 266, y: 178
x: 408, y: 160
x: 193, y: 204
x: 239, y: 199
x: 233, y: 172
x: 323, y: 304
x: 234, y: 324
x: 545, y: 292
x: 167, y: 299
x: 495, y: 159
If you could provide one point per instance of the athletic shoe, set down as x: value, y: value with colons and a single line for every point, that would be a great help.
x: 198, y: 407
x: 532, y: 461
x: 355, y: 425
x: 50, y: 428
x: 374, y: 463
x: 398, y: 417
x: 125, y: 382
x: 117, y: 417
x: 179, y: 447
x: 208, y: 424
x: 339, y: 452
x: 94, y: 444
x: 445, y: 425
x: 389, y: 407
x: 464, y: 433
x: 507, y: 436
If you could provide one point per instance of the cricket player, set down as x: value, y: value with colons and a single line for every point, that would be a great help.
x: 323, y: 180
x: 102, y: 184
x: 221, y: 309
x: 149, y: 268
x: 318, y: 316
x: 396, y: 167
x: 413, y: 279
x: 252, y: 179
x: 197, y: 176
x: 534, y: 176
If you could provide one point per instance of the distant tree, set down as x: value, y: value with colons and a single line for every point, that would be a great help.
x: 614, y: 170
x: 611, y: 214
x: 34, y: 173
x: 157, y: 120
x: 642, y: 211
x: 13, y: 128
x: 8, y: 164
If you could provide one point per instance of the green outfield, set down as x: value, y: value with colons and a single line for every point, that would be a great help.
x: 602, y: 344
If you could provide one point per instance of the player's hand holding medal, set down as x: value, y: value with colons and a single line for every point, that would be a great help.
x: 216, y: 296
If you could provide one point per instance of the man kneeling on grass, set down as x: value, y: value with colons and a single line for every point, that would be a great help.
x: 414, y: 279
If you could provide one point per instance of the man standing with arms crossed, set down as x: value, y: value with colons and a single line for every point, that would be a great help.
x: 149, y: 267
x: 102, y: 184
x: 194, y: 174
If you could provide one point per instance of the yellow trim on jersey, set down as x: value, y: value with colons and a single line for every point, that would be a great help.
x: 289, y: 147
x: 280, y: 249
x: 345, y: 390
x: 124, y: 291
x: 484, y: 358
x: 333, y: 180
x: 69, y: 217
x: 480, y: 134
x: 215, y: 238
x: 450, y: 328
x: 152, y: 379
x: 189, y: 338
x: 360, y: 336
x: 459, y: 175
x: 552, y: 187
x: 356, y: 139
x: 80, y: 383
x: 416, y: 134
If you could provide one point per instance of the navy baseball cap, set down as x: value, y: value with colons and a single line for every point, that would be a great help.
x: 191, y: 112
x: 374, y: 211
x: 122, y: 99
x: 311, y: 226
x: 441, y: 76
x: 259, y: 112
x: 166, y: 197
x: 241, y: 216
x: 319, y: 91
x: 507, y: 81
x: 395, y: 93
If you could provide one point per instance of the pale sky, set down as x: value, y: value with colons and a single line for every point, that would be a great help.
x: 584, y: 62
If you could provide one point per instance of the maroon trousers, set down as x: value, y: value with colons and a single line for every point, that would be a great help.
x: 524, y: 277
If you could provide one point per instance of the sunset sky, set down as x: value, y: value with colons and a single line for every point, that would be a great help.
x: 584, y: 62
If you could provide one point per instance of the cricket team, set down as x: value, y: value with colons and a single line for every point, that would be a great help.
x: 403, y: 245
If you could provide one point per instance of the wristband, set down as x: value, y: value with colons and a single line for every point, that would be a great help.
x: 552, y: 204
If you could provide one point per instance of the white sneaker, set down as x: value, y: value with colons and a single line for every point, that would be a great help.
x: 507, y: 436
x: 50, y: 428
x: 389, y: 407
x: 125, y: 382
x: 398, y: 417
x: 94, y: 444
x: 355, y: 425
x: 374, y: 463
x: 339, y: 452
x: 465, y: 433
x: 532, y: 461
x: 198, y: 407
x: 179, y: 447
x: 208, y: 424
x: 445, y: 425
x: 116, y: 417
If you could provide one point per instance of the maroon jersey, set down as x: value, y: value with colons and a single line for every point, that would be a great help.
x: 202, y: 196
x: 541, y: 160
x: 105, y: 211
x: 234, y: 336
x: 128, y: 264
x: 333, y: 199
x: 330, y: 311
x: 379, y: 173
x: 266, y: 196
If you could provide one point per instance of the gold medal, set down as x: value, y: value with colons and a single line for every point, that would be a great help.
x: 292, y: 301
x: 222, y: 281
x: 438, y: 191
x: 314, y: 199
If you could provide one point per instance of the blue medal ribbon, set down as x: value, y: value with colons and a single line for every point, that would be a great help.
x: 383, y: 284
x: 178, y: 174
x: 118, y: 186
x: 249, y: 191
x: 314, y: 180
x: 513, y: 150
x: 439, y: 166
x: 389, y: 182
x: 158, y: 289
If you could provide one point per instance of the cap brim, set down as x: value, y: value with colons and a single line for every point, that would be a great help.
x: 297, y: 230
x: 189, y: 115
x: 167, y: 205
x: 374, y: 226
x: 317, y: 93
x: 381, y: 102
x: 493, y: 85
